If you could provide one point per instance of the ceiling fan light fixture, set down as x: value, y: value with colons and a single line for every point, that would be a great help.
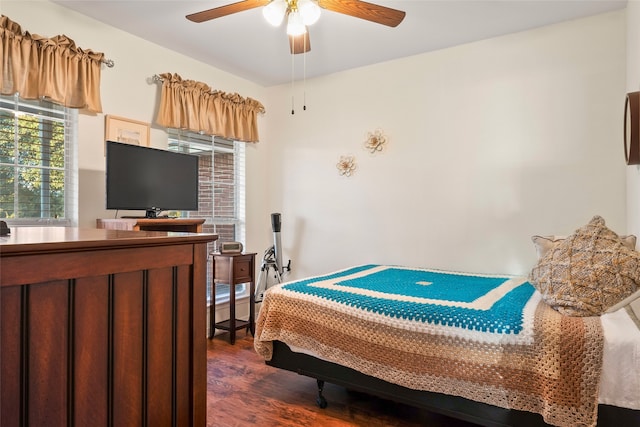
x: 295, y: 24
x: 309, y: 10
x: 274, y: 12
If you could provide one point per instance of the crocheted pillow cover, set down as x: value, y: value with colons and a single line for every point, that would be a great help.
x: 588, y: 272
x: 545, y: 243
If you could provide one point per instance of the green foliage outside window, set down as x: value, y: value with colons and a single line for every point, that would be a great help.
x: 32, y: 165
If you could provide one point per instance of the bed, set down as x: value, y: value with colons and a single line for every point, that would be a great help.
x: 483, y: 348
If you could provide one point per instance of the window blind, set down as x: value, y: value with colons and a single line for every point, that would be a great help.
x: 221, y: 198
x: 38, y: 174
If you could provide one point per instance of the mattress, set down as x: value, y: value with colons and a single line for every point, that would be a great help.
x: 620, y: 378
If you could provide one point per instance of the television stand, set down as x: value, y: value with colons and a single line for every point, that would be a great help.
x: 157, y: 217
x: 189, y: 225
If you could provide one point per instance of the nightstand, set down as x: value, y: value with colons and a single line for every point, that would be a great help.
x: 233, y: 269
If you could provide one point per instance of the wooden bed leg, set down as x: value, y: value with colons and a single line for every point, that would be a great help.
x: 321, y: 401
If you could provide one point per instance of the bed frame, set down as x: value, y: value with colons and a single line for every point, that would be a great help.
x: 452, y: 406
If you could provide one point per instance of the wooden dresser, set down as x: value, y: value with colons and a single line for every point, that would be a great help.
x: 102, y: 327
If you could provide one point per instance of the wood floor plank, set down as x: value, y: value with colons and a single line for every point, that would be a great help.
x: 243, y: 391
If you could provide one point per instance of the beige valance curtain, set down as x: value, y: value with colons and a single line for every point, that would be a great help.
x: 53, y: 68
x: 187, y: 104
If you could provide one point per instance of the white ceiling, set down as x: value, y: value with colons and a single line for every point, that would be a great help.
x: 246, y: 45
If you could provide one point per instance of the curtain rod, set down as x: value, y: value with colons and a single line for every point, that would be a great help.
x: 108, y: 62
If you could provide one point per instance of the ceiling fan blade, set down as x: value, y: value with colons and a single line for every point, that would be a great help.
x: 363, y: 10
x: 299, y: 44
x: 229, y: 9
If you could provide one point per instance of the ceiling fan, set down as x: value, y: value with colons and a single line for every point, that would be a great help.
x: 301, y: 13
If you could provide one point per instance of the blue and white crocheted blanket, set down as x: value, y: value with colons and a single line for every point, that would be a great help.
x: 487, y: 338
x: 483, y: 303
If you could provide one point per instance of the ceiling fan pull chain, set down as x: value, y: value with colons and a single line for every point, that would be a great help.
x: 292, y: 95
x: 304, y: 75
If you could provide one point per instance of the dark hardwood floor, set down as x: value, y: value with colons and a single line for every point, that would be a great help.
x: 243, y: 391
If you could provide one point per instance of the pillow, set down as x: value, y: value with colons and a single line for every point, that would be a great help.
x: 588, y: 272
x: 544, y: 243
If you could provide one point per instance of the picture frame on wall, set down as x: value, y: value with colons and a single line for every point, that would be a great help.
x: 120, y: 129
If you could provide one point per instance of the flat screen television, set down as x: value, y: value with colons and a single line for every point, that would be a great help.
x: 150, y: 179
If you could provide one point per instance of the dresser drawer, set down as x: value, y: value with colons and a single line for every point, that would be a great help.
x: 242, y: 269
x: 233, y: 267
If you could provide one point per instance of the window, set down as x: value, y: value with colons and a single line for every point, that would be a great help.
x: 38, y: 166
x: 222, y: 190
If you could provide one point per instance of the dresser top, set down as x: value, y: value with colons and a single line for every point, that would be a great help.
x: 23, y: 240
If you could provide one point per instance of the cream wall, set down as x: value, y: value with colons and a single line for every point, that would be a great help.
x: 127, y: 91
x: 633, y: 85
x: 489, y: 143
